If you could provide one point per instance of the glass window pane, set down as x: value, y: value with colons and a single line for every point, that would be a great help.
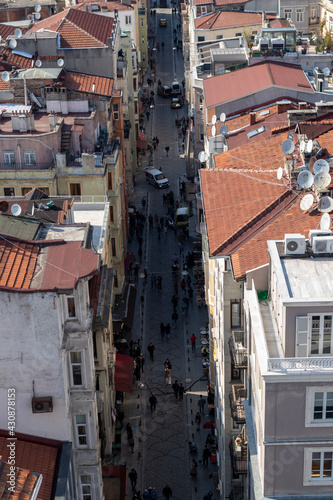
x: 80, y: 419
x: 71, y: 307
x: 77, y: 375
x: 318, y: 405
x: 85, y: 479
x: 327, y: 469
x: 315, y: 325
x: 315, y: 472
x: 76, y: 357
x: 329, y: 405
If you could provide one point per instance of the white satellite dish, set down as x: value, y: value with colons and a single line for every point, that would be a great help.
x: 325, y: 222
x: 307, y: 202
x: 32, y: 209
x: 202, y: 156
x: 30, y: 17
x: 327, y: 72
x: 325, y: 204
x: 38, y: 8
x: 322, y: 180
x: 13, y: 43
x: 214, y: 119
x: 213, y: 131
x: 17, y: 33
x: 224, y: 129
x: 222, y: 117
x: 302, y: 147
x: 37, y: 15
x: 288, y: 147
x: 60, y: 63
x: 16, y: 209
x: 5, y: 76
x: 38, y: 63
x: 279, y: 173
x: 305, y: 179
x: 309, y: 146
x: 321, y: 166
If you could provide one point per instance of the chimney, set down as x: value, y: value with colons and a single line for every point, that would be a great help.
x: 302, y: 105
x: 324, y: 108
x: 252, y: 118
x: 300, y: 115
x: 52, y: 120
x: 283, y: 106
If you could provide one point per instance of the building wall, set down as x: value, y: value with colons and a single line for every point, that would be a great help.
x: 212, y: 34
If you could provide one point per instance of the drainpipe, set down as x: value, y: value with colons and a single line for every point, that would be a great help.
x: 25, y: 91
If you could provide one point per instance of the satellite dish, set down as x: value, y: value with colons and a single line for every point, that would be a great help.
x: 37, y: 15
x: 325, y: 222
x: 33, y: 209
x: 16, y: 209
x: 222, y: 117
x: 327, y: 72
x: 307, y: 202
x: 305, y: 179
x: 202, y: 156
x: 214, y: 119
x: 17, y: 33
x: 5, y: 76
x: 213, y: 131
x: 321, y: 166
x: 3, y: 206
x: 224, y: 129
x: 30, y: 17
x: 288, y: 146
x: 302, y: 147
x: 279, y: 173
x: 309, y: 146
x: 38, y: 8
x: 325, y: 204
x: 322, y: 180
x: 60, y: 63
x: 39, y: 63
x: 12, y: 43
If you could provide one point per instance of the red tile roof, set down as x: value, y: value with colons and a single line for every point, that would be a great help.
x: 60, y: 264
x: 109, y: 6
x: 234, y: 85
x: 78, y: 28
x: 81, y: 82
x: 25, y: 481
x: 202, y: 2
x: 7, y: 58
x: 227, y: 19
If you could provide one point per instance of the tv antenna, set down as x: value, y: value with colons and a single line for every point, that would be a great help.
x: 305, y: 179
x: 279, y: 173
x: 213, y: 131
x: 325, y: 222
x: 321, y: 166
x: 224, y: 130
x: 322, y: 180
x: 222, y: 117
x: 214, y: 119
x: 16, y: 210
x: 325, y: 204
x: 307, y: 202
x: 288, y: 147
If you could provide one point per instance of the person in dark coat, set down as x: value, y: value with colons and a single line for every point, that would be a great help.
x: 133, y: 475
x: 167, y: 492
x: 153, y: 402
x: 175, y: 387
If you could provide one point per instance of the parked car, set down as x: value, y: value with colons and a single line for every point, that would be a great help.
x: 176, y: 103
x: 164, y: 91
x: 163, y: 22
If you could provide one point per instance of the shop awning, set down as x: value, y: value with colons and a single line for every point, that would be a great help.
x: 123, y: 376
x: 141, y: 144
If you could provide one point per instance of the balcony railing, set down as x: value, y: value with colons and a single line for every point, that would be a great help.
x: 238, y: 351
x: 238, y: 454
x: 22, y: 166
x: 293, y: 365
x: 236, y: 397
x: 314, y: 20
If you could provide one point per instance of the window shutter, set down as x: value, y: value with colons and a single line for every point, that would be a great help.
x: 302, y: 334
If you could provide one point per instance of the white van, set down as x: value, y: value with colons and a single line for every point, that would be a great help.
x: 176, y: 89
x: 156, y: 178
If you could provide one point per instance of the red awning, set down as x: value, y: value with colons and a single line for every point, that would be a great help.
x: 141, y: 144
x: 123, y: 376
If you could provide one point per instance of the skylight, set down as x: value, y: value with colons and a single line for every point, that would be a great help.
x: 256, y: 132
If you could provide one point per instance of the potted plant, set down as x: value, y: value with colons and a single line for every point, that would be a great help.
x: 328, y: 41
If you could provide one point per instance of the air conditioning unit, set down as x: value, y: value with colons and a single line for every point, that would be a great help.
x: 322, y: 244
x: 294, y: 244
x: 317, y: 232
x: 42, y: 405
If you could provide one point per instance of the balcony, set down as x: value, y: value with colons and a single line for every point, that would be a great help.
x: 314, y: 20
x: 236, y: 398
x: 238, y: 351
x: 35, y: 166
x: 238, y: 454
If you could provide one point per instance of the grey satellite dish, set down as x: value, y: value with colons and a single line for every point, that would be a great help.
x: 222, y: 117
x: 307, y: 202
x: 214, y: 119
x: 302, y: 147
x: 325, y: 222
x: 202, y: 156
x: 213, y: 131
x: 321, y: 166
x: 13, y: 43
x: 37, y: 15
x: 327, y: 72
x: 305, y: 179
x: 325, y: 204
x: 279, y: 173
x: 322, y: 180
x: 16, y: 209
x: 288, y: 147
x: 17, y: 33
x: 309, y: 146
x: 38, y: 63
x: 5, y: 76
x: 224, y: 129
x: 38, y: 8
x: 60, y: 63
x: 30, y: 17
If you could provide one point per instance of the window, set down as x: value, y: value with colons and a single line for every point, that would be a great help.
x: 142, y: 40
x: 219, y: 37
x: 30, y: 157
x: 254, y: 33
x: 201, y: 133
x: 238, y: 34
x: 128, y: 19
x: 201, y: 11
x: 81, y: 430
x: 201, y: 101
x: 115, y: 280
x: 9, y: 191
x: 75, y: 189
x: 113, y: 247
x: 86, y: 487
x: 112, y: 214
x: 110, y: 181
x: 299, y: 15
x: 9, y: 157
x: 25, y: 190
x: 71, y: 307
x: 201, y: 38
x: 319, y: 406
x: 76, y: 368
x: 142, y: 23
x: 313, y: 12
x: 287, y: 13
x: 314, y: 335
x: 318, y: 466
x: 116, y: 112
x: 235, y: 313
x: 143, y: 57
x: 45, y: 190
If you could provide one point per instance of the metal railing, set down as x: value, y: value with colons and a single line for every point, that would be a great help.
x: 22, y: 166
x: 300, y: 364
x: 236, y: 398
x: 238, y: 351
x: 238, y: 454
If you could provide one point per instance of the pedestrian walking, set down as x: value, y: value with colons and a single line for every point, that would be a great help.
x: 167, y: 492
x: 162, y: 329
x: 167, y: 331
x: 198, y: 421
x: 133, y: 475
x: 175, y: 387
x: 193, y: 339
x: 167, y: 150
x: 146, y: 495
x: 137, y: 373
x: 174, y: 318
x: 151, y: 349
x: 141, y: 361
x: 201, y: 404
x: 167, y: 376
x: 183, y: 285
x: 193, y: 471
x: 153, y: 402
x: 129, y: 429
x: 205, y: 456
x: 153, y: 494
x: 181, y: 391
x: 159, y: 283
